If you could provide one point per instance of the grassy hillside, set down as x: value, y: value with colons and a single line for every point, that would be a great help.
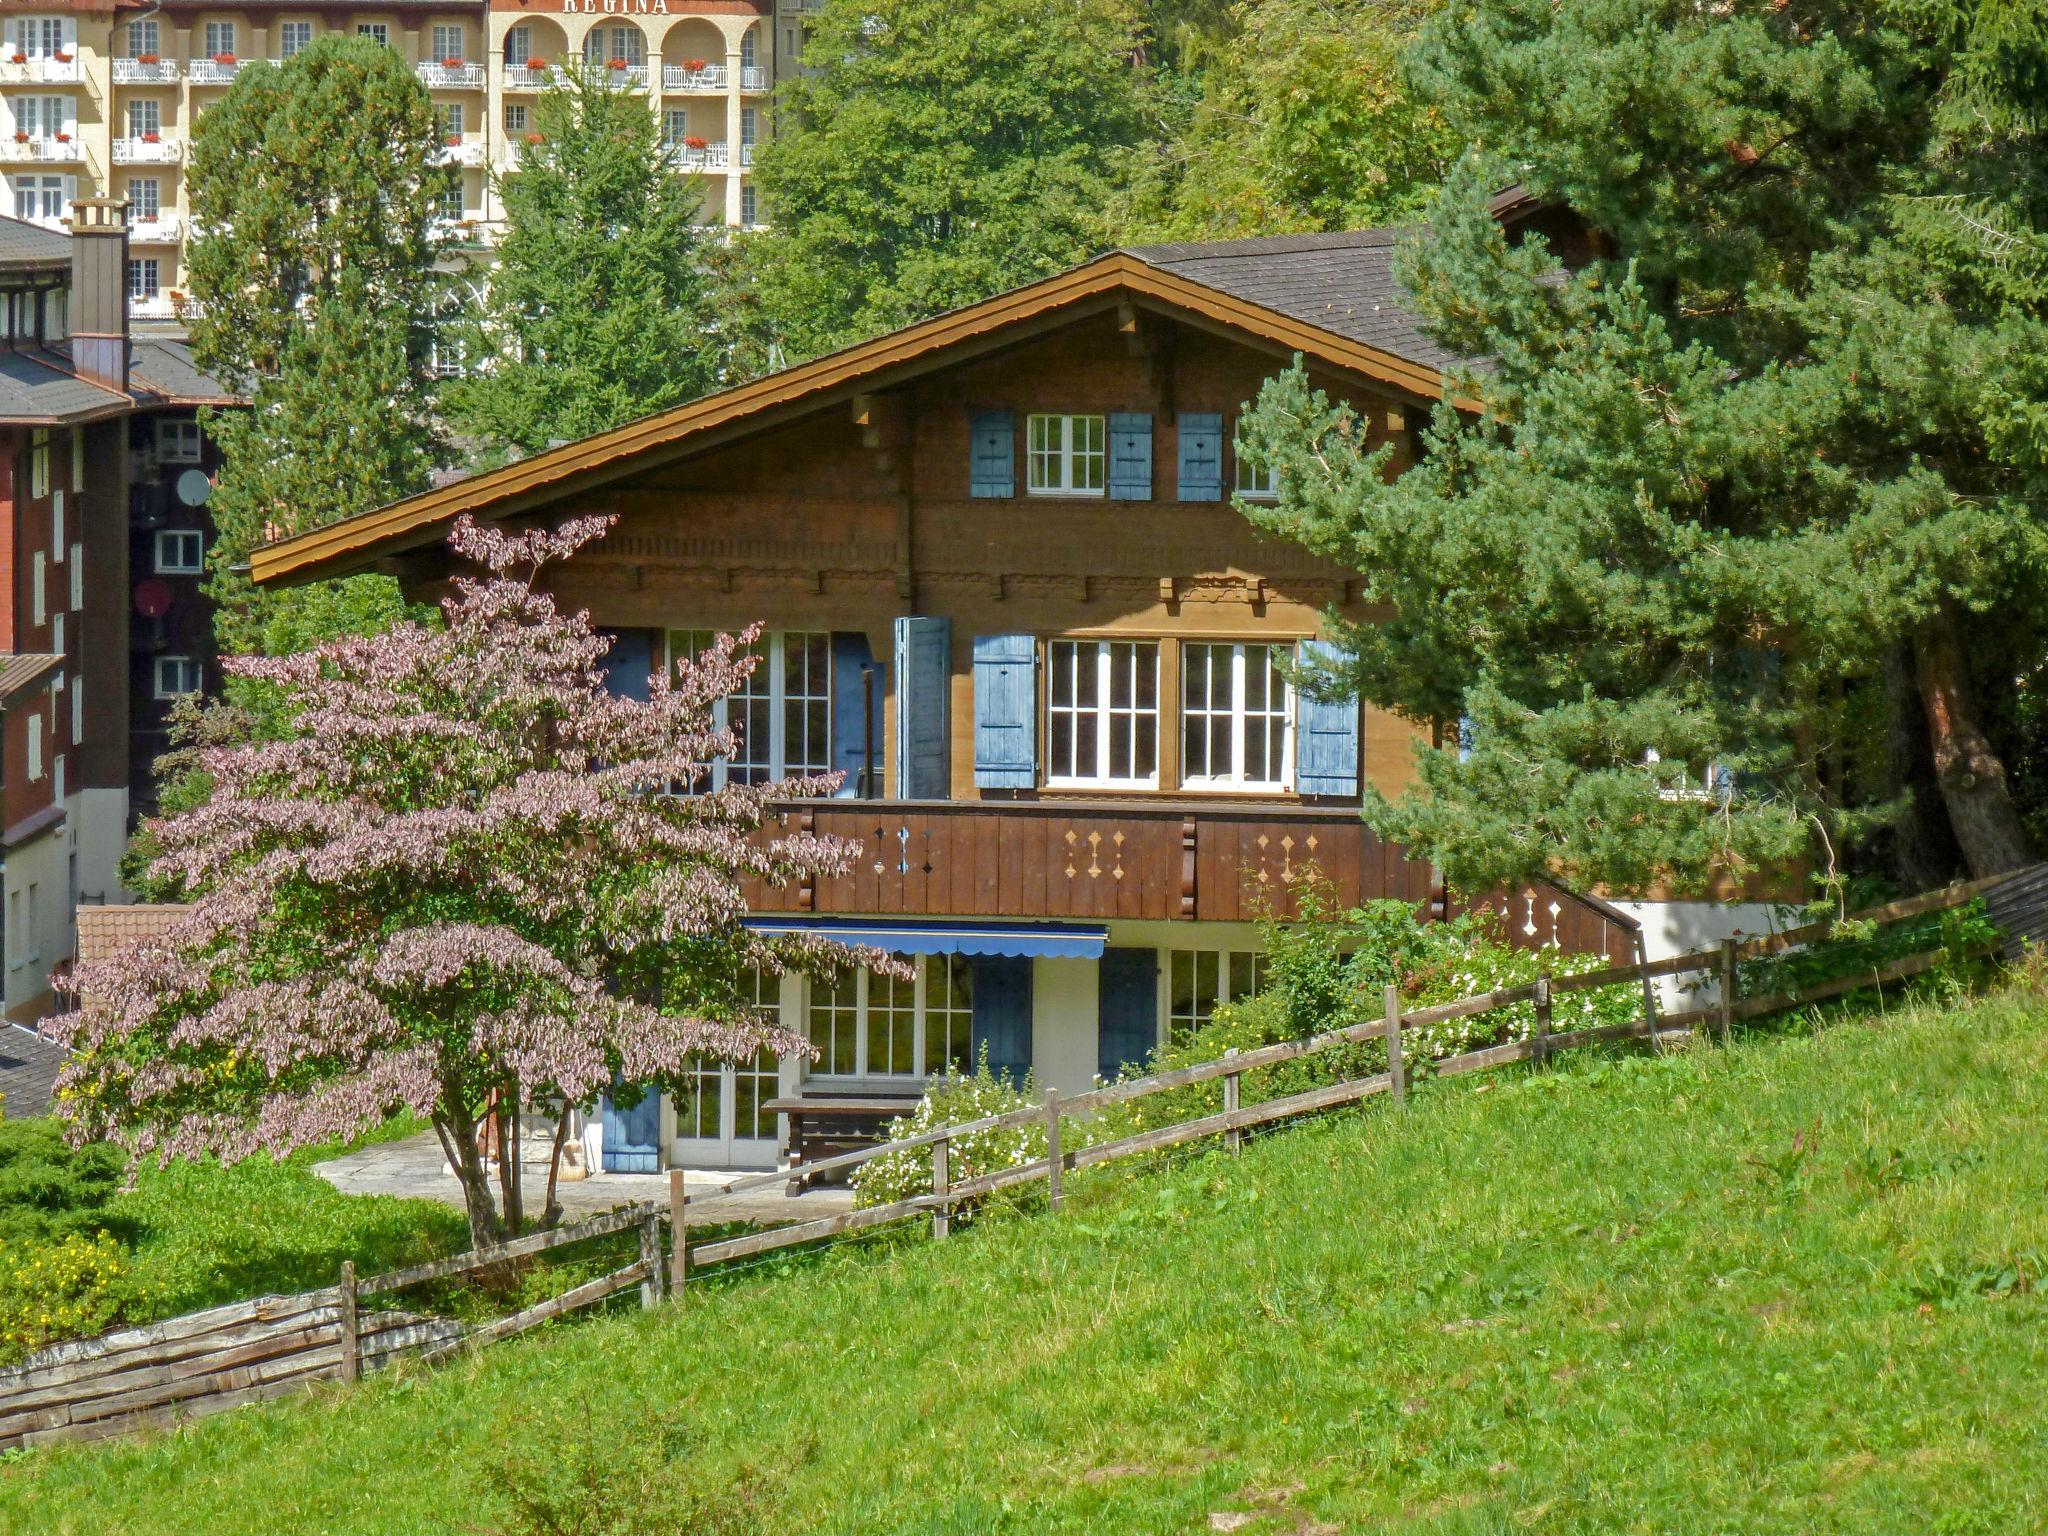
x: 1786, y: 1288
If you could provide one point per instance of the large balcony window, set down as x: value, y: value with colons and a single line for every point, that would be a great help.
x: 1236, y: 717
x: 1197, y: 980
x: 782, y: 715
x: 1102, y: 714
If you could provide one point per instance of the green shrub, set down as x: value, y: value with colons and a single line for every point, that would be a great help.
x: 49, y: 1189
x: 953, y: 1100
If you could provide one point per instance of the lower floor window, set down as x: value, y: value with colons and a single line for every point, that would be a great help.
x: 177, y: 676
x: 782, y: 713
x: 865, y: 1025
x: 1199, y: 979
x: 143, y: 275
x: 701, y: 1098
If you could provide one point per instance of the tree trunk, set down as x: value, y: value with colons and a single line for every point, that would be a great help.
x: 1923, y: 848
x: 457, y: 1131
x: 1980, y: 810
x: 550, y: 1211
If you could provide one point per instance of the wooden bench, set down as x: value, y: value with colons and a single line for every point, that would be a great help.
x: 825, y: 1125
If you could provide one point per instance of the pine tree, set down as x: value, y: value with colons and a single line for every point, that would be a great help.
x: 595, y: 312
x: 313, y: 186
x: 943, y: 151
x: 1750, y: 492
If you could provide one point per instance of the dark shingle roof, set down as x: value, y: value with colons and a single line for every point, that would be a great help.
x: 40, y: 387
x: 1343, y: 283
x: 28, y: 245
x: 163, y: 365
x: 28, y: 1072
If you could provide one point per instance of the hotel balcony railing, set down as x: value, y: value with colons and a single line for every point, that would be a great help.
x: 143, y: 150
x: 711, y: 78
x: 136, y: 72
x: 213, y: 71
x: 44, y: 151
x: 467, y: 232
x: 469, y: 152
x: 439, y: 75
x: 155, y: 229
x: 753, y: 78
x: 633, y: 77
x: 711, y: 157
x: 38, y: 71
x: 519, y: 78
x: 157, y: 306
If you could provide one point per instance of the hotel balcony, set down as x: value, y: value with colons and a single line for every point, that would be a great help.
x: 158, y: 306
x: 466, y: 233
x: 630, y: 77
x: 20, y: 149
x: 468, y: 150
x: 441, y: 75
x: 753, y: 78
x: 18, y: 70
x: 1211, y: 862
x: 519, y: 77
x: 220, y: 71
x: 708, y: 81
x: 705, y: 157
x: 148, y: 149
x: 141, y: 72
x: 155, y: 229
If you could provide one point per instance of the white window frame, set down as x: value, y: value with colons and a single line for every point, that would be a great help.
x: 179, y: 440
x: 293, y: 38
x: 173, y: 545
x: 518, y: 46
x: 448, y: 119
x: 378, y: 32
x: 449, y: 41
x: 41, y: 198
x: 145, y: 278
x: 147, y: 206
x: 1067, y: 455
x: 35, y: 743
x: 1238, y: 657
x: 145, y: 37
x: 145, y: 116
x: 1252, y: 480
x: 162, y: 687
x: 929, y: 1005
x: 1214, y: 977
x: 516, y: 118
x: 770, y: 683
x: 219, y: 38
x: 1100, y: 660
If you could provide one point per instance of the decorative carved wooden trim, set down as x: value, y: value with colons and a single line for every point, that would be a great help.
x: 1187, y: 866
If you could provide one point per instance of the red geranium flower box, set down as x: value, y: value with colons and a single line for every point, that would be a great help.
x: 693, y: 142
x: 451, y: 62
x: 694, y: 66
x: 614, y: 63
x: 223, y: 58
x: 536, y: 63
x: 152, y: 138
x: 148, y: 58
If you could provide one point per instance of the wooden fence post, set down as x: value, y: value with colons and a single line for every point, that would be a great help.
x: 1053, y: 1194
x: 1540, y: 1042
x: 1233, y: 1140
x: 351, y: 1333
x: 1727, y: 989
x: 650, y: 1255
x: 678, y: 1232
x: 942, y: 1211
x: 1397, y: 1079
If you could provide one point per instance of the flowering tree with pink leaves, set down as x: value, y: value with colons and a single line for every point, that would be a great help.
x: 459, y: 885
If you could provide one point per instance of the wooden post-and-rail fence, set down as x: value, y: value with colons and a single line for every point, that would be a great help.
x: 205, y: 1362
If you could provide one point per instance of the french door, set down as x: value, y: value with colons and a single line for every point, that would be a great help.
x: 719, y: 1119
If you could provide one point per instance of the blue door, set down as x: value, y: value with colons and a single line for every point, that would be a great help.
x: 632, y: 1137
x: 1002, y: 1014
x: 1128, y: 1010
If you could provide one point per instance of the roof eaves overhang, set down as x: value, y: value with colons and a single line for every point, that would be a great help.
x: 357, y: 542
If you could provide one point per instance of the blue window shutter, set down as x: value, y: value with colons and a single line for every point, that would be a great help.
x: 632, y: 1136
x: 1325, y: 736
x: 1201, y: 456
x: 628, y: 667
x: 851, y: 656
x: 1005, y: 711
x: 1002, y: 1015
x: 1130, y: 456
x: 994, y: 468
x: 1127, y: 1009
x: 924, y: 740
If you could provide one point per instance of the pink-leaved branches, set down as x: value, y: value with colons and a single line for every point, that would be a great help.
x: 460, y: 880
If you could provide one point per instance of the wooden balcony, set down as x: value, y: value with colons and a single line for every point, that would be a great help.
x: 1097, y: 860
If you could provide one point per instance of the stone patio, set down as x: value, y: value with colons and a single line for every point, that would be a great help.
x: 415, y: 1167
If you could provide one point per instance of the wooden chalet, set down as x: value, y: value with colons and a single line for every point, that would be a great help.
x: 1006, y: 593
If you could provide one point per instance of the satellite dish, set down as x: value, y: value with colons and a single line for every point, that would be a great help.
x: 193, y: 488
x: 152, y: 598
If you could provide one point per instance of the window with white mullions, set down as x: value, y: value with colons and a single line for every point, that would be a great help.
x: 865, y: 1025
x: 1102, y: 713
x: 1199, y: 979
x: 1236, y: 717
x: 1068, y: 456
x: 781, y: 716
x: 718, y: 1103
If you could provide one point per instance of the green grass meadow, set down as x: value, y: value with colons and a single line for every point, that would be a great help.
x: 1786, y: 1287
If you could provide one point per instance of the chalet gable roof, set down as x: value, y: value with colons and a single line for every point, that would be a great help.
x: 1331, y: 298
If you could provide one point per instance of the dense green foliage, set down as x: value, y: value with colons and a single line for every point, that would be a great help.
x: 943, y: 151
x: 1788, y: 1286
x: 78, y: 1254
x: 312, y: 187
x: 594, y: 310
x: 1759, y: 486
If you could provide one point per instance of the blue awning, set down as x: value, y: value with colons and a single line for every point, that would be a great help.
x: 967, y: 936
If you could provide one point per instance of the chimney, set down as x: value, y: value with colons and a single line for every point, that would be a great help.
x: 99, y: 291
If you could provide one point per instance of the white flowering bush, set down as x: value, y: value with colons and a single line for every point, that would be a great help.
x: 953, y: 1099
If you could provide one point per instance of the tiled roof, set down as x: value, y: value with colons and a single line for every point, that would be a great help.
x: 22, y: 670
x: 28, y: 1069
x: 104, y: 931
x: 29, y: 245
x: 37, y: 387
x: 1343, y: 283
x: 163, y: 365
